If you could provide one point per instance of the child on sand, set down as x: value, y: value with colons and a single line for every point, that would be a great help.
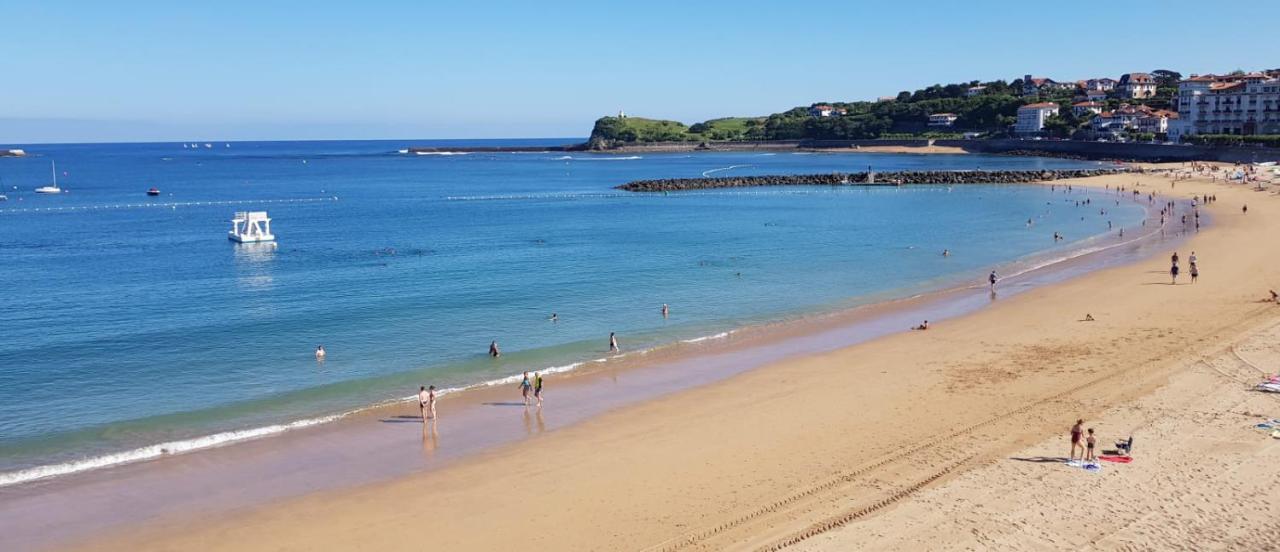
x: 525, y: 387
x: 1089, y: 442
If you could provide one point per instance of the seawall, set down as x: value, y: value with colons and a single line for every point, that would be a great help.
x: 861, y: 179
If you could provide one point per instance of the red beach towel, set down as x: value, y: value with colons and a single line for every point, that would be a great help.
x: 1116, y: 459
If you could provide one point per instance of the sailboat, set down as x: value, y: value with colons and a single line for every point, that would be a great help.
x: 52, y: 188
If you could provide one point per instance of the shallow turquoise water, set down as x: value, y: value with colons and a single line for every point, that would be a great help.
x: 124, y: 324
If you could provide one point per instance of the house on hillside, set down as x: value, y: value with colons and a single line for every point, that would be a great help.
x: 1155, y: 121
x: 1104, y: 84
x: 1082, y: 109
x: 1033, y: 85
x: 1092, y: 95
x: 1031, y: 118
x: 824, y: 110
x: 942, y: 119
x: 974, y: 91
x: 1137, y: 85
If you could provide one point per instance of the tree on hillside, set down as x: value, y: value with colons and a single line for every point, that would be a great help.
x: 1166, y: 78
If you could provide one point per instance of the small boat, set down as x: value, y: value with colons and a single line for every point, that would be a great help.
x: 207, y: 145
x: 250, y: 227
x: 52, y: 188
x: 153, y: 192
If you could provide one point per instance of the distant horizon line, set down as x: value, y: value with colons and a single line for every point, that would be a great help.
x: 12, y: 145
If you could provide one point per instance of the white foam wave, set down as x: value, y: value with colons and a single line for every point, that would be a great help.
x: 720, y: 335
x: 598, y: 158
x: 443, y: 152
x: 194, y: 444
x: 566, y: 195
x: 709, y: 172
x: 402, y: 151
x: 155, y: 451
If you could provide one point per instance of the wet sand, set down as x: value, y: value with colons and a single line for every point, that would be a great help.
x: 765, y: 454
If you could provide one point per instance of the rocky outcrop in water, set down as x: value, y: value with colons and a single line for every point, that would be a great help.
x: 862, y: 179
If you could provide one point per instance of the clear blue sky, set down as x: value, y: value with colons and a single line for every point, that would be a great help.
x: 229, y: 70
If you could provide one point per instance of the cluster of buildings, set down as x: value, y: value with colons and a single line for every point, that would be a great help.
x: 1242, y: 104
x: 1239, y: 104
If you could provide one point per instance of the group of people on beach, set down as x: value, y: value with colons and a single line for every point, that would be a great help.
x: 528, y: 387
x: 1173, y: 268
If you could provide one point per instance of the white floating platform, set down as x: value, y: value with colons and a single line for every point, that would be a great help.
x: 251, y: 227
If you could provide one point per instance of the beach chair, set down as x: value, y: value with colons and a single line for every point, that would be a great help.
x: 1126, y: 446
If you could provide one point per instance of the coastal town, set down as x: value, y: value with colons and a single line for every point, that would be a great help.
x: 1237, y: 108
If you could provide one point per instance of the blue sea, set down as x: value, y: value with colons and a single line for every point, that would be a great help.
x: 128, y: 321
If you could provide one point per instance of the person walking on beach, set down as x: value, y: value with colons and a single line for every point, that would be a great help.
x: 537, y: 387
x: 423, y: 399
x: 1174, y: 258
x: 1244, y: 210
x: 525, y: 387
x: 1076, y: 432
x: 1195, y: 272
x: 493, y: 349
x: 1192, y: 259
x: 613, y: 343
x: 992, y: 278
x: 1173, y: 272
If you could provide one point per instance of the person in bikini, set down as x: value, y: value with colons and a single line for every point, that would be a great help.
x: 1076, y: 432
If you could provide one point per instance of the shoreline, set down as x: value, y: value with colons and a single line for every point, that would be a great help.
x: 684, y: 452
x: 785, y: 325
x: 842, y: 327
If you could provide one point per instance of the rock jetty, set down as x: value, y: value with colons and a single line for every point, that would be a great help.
x: 862, y: 179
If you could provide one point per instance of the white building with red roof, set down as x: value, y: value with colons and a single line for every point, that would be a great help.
x: 1031, y: 117
x: 1241, y: 104
x: 1137, y: 85
x: 1081, y: 109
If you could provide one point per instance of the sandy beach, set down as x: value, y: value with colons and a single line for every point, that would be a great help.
x: 908, y: 441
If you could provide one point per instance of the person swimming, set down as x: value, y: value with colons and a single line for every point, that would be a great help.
x: 554, y: 318
x: 665, y: 310
x: 946, y: 252
x: 320, y: 352
x: 923, y: 326
x: 493, y: 349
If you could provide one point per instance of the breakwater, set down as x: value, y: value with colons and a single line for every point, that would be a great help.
x: 861, y: 179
